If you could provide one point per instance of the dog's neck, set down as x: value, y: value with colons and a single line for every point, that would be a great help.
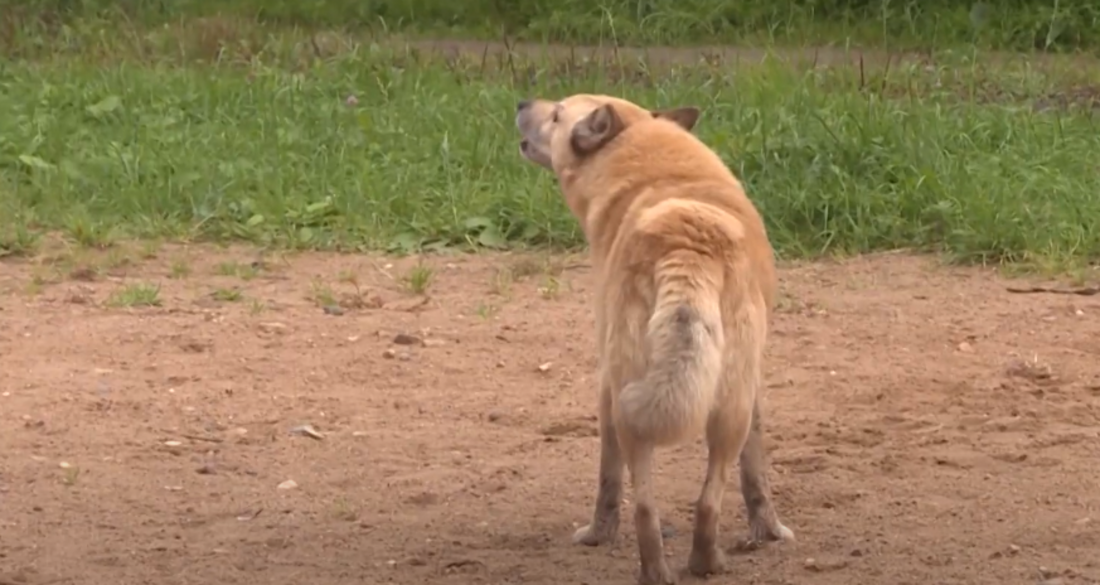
x: 602, y: 214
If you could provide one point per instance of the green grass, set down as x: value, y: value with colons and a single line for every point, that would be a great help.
x: 327, y: 143
x: 135, y: 295
x: 1010, y: 24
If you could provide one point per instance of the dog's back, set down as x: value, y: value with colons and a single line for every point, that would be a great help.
x: 689, y: 280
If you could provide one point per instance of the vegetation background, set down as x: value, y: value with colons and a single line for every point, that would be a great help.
x: 965, y: 128
x: 1006, y: 24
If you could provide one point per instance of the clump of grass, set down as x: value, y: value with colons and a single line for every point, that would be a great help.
x: 90, y: 232
x: 229, y: 295
x: 85, y: 271
x: 550, y: 287
x: 487, y: 310
x: 323, y: 295
x: 256, y: 306
x: 234, y: 268
x: 179, y: 269
x: 135, y: 295
x: 419, y: 279
x: 150, y: 249
x: 18, y: 241
x: 502, y: 282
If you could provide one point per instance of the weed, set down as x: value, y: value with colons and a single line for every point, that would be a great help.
x: 18, y: 241
x: 230, y: 295
x: 525, y: 267
x: 150, y: 249
x: 343, y: 509
x: 116, y: 259
x: 487, y: 310
x: 323, y: 295
x: 419, y: 279
x: 85, y: 271
x: 89, y: 232
x: 179, y: 269
x: 348, y: 277
x: 234, y: 268
x: 135, y: 295
x: 502, y: 282
x: 550, y: 287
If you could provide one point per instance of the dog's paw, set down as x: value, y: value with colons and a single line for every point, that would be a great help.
x: 588, y: 535
x: 704, y: 563
x: 657, y: 574
x: 785, y: 534
x: 775, y: 532
x: 761, y: 533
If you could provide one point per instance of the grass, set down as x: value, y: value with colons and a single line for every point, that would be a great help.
x: 418, y: 279
x: 233, y: 131
x: 135, y: 295
x: 228, y: 295
x: 1020, y: 24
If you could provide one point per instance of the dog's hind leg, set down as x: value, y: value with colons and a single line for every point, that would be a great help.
x: 764, y: 524
x: 647, y: 521
x: 727, y: 430
x: 605, y: 519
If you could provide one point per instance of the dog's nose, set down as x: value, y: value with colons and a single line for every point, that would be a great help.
x: 523, y: 105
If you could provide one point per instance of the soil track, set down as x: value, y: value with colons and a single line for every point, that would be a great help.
x: 925, y: 426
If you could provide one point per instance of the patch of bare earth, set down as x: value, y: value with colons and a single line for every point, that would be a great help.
x: 925, y: 425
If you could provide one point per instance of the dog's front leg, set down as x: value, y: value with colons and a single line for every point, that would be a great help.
x: 605, y: 520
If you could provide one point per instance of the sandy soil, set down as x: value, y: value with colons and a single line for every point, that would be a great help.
x: 925, y: 426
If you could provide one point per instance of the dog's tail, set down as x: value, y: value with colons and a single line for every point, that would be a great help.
x: 685, y: 341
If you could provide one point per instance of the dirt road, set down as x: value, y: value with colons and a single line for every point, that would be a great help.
x: 925, y: 426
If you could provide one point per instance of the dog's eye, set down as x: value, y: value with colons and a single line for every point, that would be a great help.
x: 554, y: 118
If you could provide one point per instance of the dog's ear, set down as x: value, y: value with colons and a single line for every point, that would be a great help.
x: 684, y: 117
x: 596, y: 129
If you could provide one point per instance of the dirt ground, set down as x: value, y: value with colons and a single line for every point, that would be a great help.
x: 925, y: 425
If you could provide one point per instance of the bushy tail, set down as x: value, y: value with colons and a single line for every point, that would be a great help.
x: 685, y: 340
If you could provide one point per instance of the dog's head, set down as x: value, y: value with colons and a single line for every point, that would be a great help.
x: 560, y: 135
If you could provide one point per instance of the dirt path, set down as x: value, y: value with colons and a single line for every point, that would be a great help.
x: 925, y: 427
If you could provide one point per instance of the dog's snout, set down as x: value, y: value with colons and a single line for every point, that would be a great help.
x: 523, y: 105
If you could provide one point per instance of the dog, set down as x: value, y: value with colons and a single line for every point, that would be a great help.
x: 686, y: 284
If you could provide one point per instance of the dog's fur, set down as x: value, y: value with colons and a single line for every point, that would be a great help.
x: 686, y: 281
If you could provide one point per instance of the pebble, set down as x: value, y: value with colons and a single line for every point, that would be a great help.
x: 307, y: 431
x: 288, y: 485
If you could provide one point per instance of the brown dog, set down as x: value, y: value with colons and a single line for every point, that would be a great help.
x: 686, y: 281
